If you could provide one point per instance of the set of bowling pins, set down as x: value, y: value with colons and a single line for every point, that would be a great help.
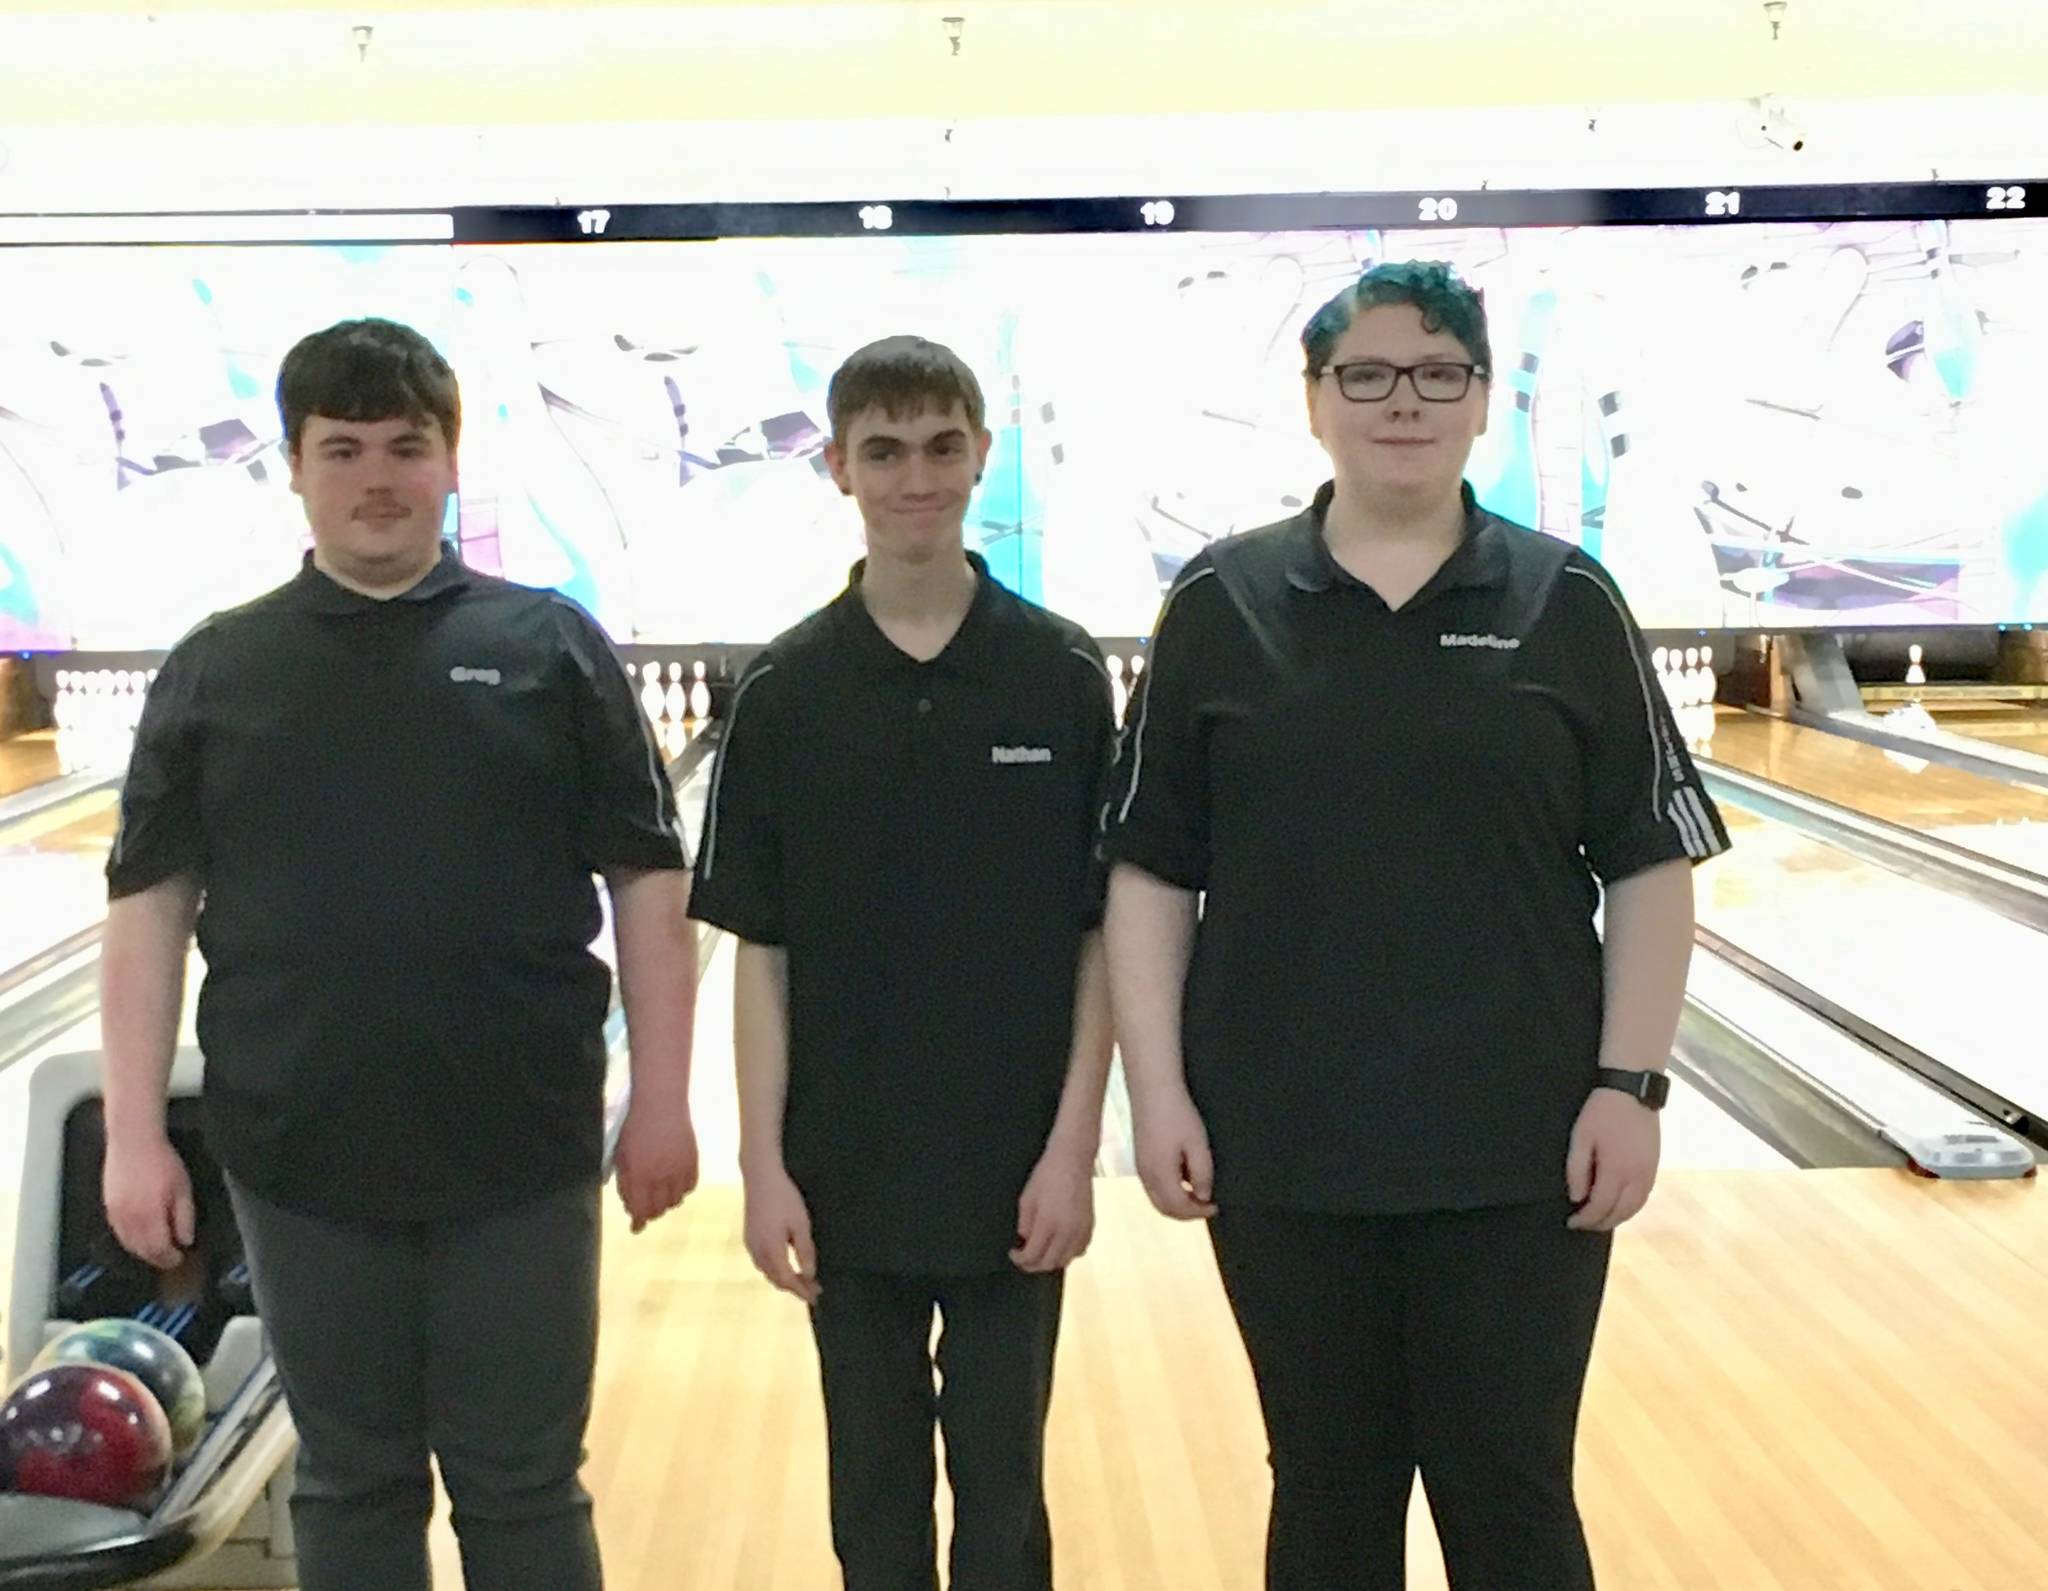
x: 1688, y: 680
x: 1123, y: 679
x: 96, y: 710
x: 675, y: 710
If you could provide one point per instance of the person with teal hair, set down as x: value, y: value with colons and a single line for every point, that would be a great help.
x: 1388, y: 759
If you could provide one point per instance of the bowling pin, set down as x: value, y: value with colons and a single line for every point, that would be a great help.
x: 1916, y: 673
x: 677, y: 700
x: 1119, y: 691
x: 650, y: 693
x: 700, y: 693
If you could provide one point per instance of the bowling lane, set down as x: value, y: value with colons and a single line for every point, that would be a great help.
x: 27, y: 760
x: 2017, y: 728
x: 1948, y: 977
x: 1698, y: 1135
x: 52, y: 874
x: 1989, y: 816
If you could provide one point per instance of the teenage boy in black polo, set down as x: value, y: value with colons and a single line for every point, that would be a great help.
x: 900, y: 834
x: 390, y: 781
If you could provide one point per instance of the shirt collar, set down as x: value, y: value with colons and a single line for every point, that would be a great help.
x: 320, y: 592
x: 1481, y: 557
x: 967, y: 652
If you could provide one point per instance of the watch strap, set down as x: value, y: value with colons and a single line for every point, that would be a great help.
x: 1647, y: 1088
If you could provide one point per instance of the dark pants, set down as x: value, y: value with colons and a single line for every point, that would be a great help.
x: 1455, y: 1342
x: 995, y: 1357
x: 474, y: 1341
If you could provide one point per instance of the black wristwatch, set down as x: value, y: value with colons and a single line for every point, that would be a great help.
x: 1646, y: 1088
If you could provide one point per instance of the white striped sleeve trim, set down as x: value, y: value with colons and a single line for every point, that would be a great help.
x: 1644, y: 681
x: 657, y: 779
x: 1689, y: 817
x: 1145, y: 706
x: 1092, y: 660
x: 732, y: 722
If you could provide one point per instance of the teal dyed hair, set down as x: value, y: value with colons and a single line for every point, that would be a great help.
x: 1446, y: 301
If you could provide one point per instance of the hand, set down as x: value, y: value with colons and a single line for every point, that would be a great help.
x: 777, y: 1224
x: 1173, y: 1155
x: 1613, y: 1161
x: 1056, y: 1213
x: 148, y: 1195
x: 656, y: 1160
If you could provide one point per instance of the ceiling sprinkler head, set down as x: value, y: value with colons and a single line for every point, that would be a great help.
x: 362, y: 33
x: 954, y: 26
x: 1774, y: 13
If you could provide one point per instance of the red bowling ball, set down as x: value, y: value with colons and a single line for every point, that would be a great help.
x: 86, y: 1432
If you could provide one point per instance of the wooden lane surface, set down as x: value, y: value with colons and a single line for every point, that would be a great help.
x: 1805, y: 1380
x: 2003, y: 820
x: 2022, y: 728
x: 52, y: 874
x: 1931, y: 967
x: 27, y: 760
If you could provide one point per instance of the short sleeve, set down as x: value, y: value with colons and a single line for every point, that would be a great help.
x: 1644, y: 802
x: 160, y: 832
x: 1156, y: 816
x: 627, y: 816
x: 1094, y: 712
x: 738, y: 882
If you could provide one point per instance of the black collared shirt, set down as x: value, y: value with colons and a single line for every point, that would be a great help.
x: 1400, y: 820
x: 918, y: 837
x: 396, y: 808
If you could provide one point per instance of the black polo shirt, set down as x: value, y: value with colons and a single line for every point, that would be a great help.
x: 396, y: 808
x: 1399, y: 820
x: 918, y: 837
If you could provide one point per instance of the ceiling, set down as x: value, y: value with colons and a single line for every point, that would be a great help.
x: 229, y: 63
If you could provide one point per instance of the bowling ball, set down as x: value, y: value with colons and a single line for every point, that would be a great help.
x: 86, y: 1432
x: 155, y: 1359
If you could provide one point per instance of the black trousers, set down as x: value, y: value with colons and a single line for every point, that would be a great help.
x: 475, y: 1341
x: 994, y: 1362
x: 1453, y: 1342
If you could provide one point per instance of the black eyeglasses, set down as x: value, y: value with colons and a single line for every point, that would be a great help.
x: 1374, y: 380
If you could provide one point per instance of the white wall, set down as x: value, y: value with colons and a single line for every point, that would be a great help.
x: 1709, y: 144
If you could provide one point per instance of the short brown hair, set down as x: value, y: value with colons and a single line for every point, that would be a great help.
x: 903, y: 377
x: 367, y: 370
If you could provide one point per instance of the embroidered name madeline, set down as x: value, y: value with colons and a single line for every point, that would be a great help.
x: 1496, y: 643
x: 1020, y: 754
